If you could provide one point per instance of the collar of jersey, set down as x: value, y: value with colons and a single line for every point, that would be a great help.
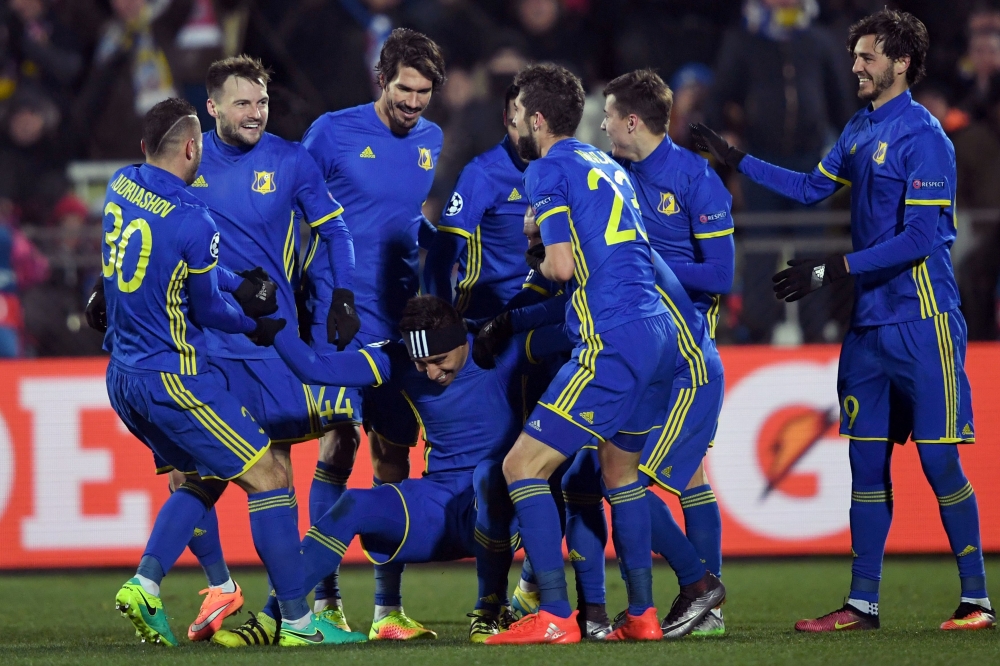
x: 232, y: 152
x: 890, y: 108
x: 155, y: 175
x: 657, y: 158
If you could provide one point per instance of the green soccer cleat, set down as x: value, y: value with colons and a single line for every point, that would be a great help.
x: 146, y: 613
x: 259, y: 629
x: 397, y: 626
x: 319, y: 632
x: 525, y: 603
x: 711, y: 625
x: 336, y: 616
x: 483, y: 625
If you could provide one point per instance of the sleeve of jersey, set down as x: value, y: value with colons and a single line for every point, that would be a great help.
x: 318, y: 140
x: 441, y: 257
x: 344, y: 369
x: 228, y: 280
x: 710, y: 206
x: 468, y: 203
x: 547, y: 191
x: 667, y: 282
x: 200, y: 251
x: 324, y: 214
x: 806, y: 188
x: 544, y: 341
x: 930, y: 175
x: 549, y: 312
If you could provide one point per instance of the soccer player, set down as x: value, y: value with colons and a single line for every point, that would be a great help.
x: 483, y: 218
x: 161, y: 290
x: 460, y: 507
x: 624, y: 342
x: 901, y: 364
x: 688, y: 214
x: 378, y: 160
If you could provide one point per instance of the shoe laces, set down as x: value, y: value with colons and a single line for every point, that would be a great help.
x: 506, y: 618
x: 965, y: 609
x: 677, y: 609
x: 486, y: 621
x: 524, y: 624
x: 619, y: 620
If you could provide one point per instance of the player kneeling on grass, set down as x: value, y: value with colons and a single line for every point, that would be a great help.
x: 460, y: 507
x: 160, y: 297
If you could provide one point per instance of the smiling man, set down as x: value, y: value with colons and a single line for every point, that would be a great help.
x: 901, y: 370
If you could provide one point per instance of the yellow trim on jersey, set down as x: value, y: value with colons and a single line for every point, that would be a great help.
x: 946, y: 440
x: 925, y: 290
x: 178, y: 322
x: 712, y: 316
x: 842, y: 181
x: 534, y: 287
x: 420, y: 422
x: 686, y: 344
x: 378, y: 376
x: 455, y: 230
x: 327, y: 218
x: 714, y: 234
x: 946, y: 351
x: 527, y: 348
x: 473, y: 268
x: 406, y: 531
x: 288, y: 253
x: 871, y: 439
x: 313, y: 244
x: 671, y: 430
x: 312, y: 409
x: 199, y: 271
x: 212, y: 422
x: 558, y: 209
x: 644, y: 432
x: 927, y: 202
x: 588, y: 357
x: 569, y: 418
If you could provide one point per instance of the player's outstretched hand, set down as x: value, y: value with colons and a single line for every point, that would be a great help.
x: 491, y: 340
x: 97, y: 308
x: 535, y: 256
x: 342, y: 322
x: 707, y: 140
x: 267, y: 329
x: 257, y: 294
x: 808, y: 275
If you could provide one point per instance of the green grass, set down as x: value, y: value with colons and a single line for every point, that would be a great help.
x: 70, y: 619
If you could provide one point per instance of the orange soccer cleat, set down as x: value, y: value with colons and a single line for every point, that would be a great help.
x: 540, y: 627
x: 969, y: 617
x: 628, y: 627
x: 216, y: 607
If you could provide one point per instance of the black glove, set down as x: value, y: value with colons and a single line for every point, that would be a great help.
x: 267, y: 329
x: 707, y: 140
x: 342, y: 322
x: 491, y: 340
x: 808, y: 275
x: 535, y: 256
x: 302, y: 312
x: 257, y: 294
x: 97, y: 308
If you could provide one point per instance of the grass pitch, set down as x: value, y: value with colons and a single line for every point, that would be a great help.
x: 70, y: 619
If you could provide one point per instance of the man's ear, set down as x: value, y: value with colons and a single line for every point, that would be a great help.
x: 189, y: 151
x: 212, y: 109
x: 900, y: 66
x: 142, y: 146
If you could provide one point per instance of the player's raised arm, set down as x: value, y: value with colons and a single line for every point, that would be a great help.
x: 350, y: 369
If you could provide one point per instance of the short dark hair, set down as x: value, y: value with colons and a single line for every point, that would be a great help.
x: 409, y: 48
x: 901, y: 34
x: 509, y: 95
x: 555, y: 92
x: 643, y: 93
x: 241, y: 66
x: 166, y: 124
x: 428, y: 313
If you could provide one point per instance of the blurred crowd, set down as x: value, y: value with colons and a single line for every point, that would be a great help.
x: 76, y: 77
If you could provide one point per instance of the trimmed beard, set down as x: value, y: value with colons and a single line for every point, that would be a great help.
x: 880, y: 84
x: 230, y: 134
x: 527, y: 147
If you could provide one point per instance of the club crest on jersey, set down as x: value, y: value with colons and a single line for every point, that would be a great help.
x: 879, y: 155
x: 668, y: 204
x: 425, y: 161
x: 263, y: 182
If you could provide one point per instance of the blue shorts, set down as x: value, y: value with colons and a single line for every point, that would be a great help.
x: 608, y: 385
x: 672, y: 452
x: 287, y: 409
x: 189, y: 422
x: 901, y: 379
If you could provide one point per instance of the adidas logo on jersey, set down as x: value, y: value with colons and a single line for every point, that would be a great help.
x: 514, y: 195
x: 667, y: 471
x: 536, y: 424
x: 576, y: 557
x: 368, y: 152
x: 200, y: 182
x: 967, y: 430
x: 199, y: 532
x: 854, y: 149
x: 969, y: 550
x: 588, y: 417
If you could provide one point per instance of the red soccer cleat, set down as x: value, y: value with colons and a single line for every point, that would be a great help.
x: 540, y: 627
x: 970, y: 617
x: 847, y: 618
x: 216, y: 607
x: 645, y: 627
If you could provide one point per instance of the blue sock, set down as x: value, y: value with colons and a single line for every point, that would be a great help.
x: 205, y: 545
x: 328, y: 484
x: 527, y: 572
x: 276, y: 539
x: 494, y: 544
x: 703, y: 525
x: 670, y: 542
x: 388, y: 577
x: 272, y: 607
x: 631, y: 523
x: 871, y: 515
x: 172, y: 530
x: 538, y: 521
x: 959, y: 513
x: 586, y: 526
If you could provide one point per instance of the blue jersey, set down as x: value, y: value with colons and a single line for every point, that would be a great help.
x: 583, y: 197
x: 487, y: 210
x: 155, y: 234
x: 253, y: 195
x: 683, y: 203
x: 901, y: 169
x: 382, y: 180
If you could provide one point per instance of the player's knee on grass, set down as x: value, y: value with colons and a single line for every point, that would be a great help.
x: 618, y: 467
x: 339, y: 446
x: 699, y: 478
x: 265, y: 475
x: 530, y: 459
x: 390, y: 462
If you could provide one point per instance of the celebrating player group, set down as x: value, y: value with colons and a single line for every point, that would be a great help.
x: 572, y: 363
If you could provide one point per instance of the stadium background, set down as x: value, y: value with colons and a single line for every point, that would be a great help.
x: 77, y: 491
